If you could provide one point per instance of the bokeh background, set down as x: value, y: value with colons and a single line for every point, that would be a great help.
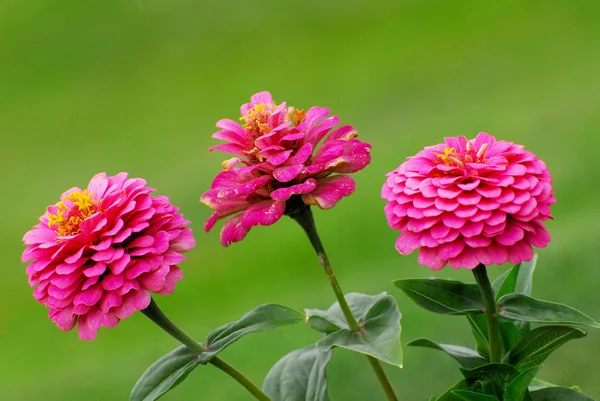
x: 137, y: 86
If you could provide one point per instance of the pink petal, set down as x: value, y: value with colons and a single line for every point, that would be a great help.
x: 330, y: 191
x: 287, y: 173
x: 233, y: 231
x: 429, y: 257
x: 301, y: 155
x: 262, y: 213
x: 283, y: 194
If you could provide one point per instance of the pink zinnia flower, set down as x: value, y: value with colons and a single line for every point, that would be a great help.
x: 469, y: 202
x: 277, y: 149
x: 99, y: 253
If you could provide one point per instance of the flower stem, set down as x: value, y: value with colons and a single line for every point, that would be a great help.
x: 304, y: 217
x: 154, y: 313
x: 487, y: 293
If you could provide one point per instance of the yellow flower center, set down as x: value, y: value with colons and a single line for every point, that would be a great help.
x: 451, y: 157
x: 257, y: 118
x: 72, y: 210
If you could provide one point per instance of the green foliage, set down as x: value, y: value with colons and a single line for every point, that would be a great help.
x: 469, y: 395
x: 518, y: 280
x: 517, y: 390
x: 535, y: 346
x: 524, y: 308
x: 299, y: 376
x: 559, y: 394
x: 378, y: 318
x: 164, y: 374
x: 493, y: 378
x: 510, y: 334
x: 173, y: 368
x: 538, y: 384
x: 467, y: 357
x: 262, y: 318
x: 479, y: 330
x: 447, y: 297
x: 523, y: 349
x: 448, y: 394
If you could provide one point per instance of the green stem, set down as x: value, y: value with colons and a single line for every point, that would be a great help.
x: 154, y: 313
x: 487, y: 293
x: 304, y: 217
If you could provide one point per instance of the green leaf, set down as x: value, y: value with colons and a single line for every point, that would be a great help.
x: 525, y: 279
x: 467, y: 357
x: 517, y: 389
x: 447, y: 297
x: 469, y: 395
x: 448, y: 394
x: 510, y: 334
x: 494, y: 375
x: 506, y: 282
x: 164, y: 374
x: 333, y: 319
x: 379, y: 319
x: 538, y: 384
x: 264, y: 317
x: 559, y: 394
x: 299, y: 376
x: 525, y: 308
x: 480, y: 334
x: 535, y: 346
x: 517, y: 280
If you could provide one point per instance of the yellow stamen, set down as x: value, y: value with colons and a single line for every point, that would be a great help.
x: 482, y: 151
x: 256, y: 116
x: 295, y: 116
x: 72, y: 210
x: 227, y: 164
x: 447, y: 156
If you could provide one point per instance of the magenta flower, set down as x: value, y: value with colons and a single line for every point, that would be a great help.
x: 469, y: 202
x: 99, y: 253
x: 277, y: 149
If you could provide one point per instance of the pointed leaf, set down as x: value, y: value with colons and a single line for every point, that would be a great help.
x: 448, y: 394
x: 480, y: 334
x: 333, y: 319
x: 495, y: 376
x: 467, y: 357
x: 525, y: 308
x: 535, y: 346
x: 264, y: 317
x: 559, y: 394
x: 447, y: 297
x: 299, y: 376
x: 517, y: 389
x: 538, y: 384
x: 510, y: 334
x: 523, y: 286
x: 517, y: 280
x: 164, y: 374
x: 525, y: 280
x: 506, y: 282
x: 379, y: 319
x: 469, y: 395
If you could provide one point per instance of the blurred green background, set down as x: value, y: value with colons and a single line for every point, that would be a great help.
x: 137, y: 86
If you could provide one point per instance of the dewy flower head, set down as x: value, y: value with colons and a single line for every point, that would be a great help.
x: 469, y: 202
x: 276, y: 160
x: 99, y: 253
